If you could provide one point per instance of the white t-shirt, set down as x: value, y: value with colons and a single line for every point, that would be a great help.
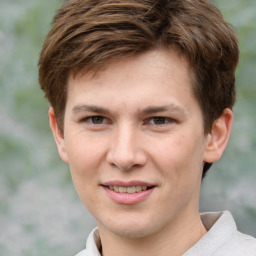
x: 222, y: 239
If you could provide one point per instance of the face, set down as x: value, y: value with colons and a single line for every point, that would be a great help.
x: 134, y: 140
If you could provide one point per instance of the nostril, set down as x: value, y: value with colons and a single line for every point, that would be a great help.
x: 126, y: 155
x: 122, y: 161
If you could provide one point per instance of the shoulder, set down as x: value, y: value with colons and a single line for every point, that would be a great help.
x: 82, y: 253
x: 93, y: 245
x: 239, y: 245
x: 222, y: 238
x: 234, y: 243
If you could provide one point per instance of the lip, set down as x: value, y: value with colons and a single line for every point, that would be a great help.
x: 127, y: 198
x: 128, y: 183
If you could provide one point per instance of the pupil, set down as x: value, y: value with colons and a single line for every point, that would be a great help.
x: 97, y: 119
x: 159, y: 120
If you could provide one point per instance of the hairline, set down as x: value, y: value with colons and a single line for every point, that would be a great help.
x: 95, y: 70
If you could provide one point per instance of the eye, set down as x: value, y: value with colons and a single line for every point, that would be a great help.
x: 97, y: 119
x: 159, y: 120
x: 94, y: 120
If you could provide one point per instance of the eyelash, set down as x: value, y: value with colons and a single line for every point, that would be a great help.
x: 151, y: 121
x: 90, y: 120
x: 166, y: 120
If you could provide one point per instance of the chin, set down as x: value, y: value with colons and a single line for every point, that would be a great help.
x: 131, y: 233
x: 138, y: 229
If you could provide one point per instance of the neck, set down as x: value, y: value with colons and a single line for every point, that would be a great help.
x: 173, y: 240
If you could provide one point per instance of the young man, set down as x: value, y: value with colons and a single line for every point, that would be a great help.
x: 141, y: 93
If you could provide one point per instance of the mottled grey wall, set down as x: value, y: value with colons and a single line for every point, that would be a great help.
x: 40, y: 213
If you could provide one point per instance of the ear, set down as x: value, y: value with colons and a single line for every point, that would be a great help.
x: 217, y: 139
x: 58, y: 136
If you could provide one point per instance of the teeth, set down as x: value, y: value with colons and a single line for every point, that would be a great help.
x: 129, y: 190
x: 122, y: 190
x: 138, y: 188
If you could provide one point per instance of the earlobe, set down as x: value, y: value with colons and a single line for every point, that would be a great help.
x: 217, y: 139
x: 58, y: 136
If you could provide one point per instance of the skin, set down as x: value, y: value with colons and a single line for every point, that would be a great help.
x: 125, y: 142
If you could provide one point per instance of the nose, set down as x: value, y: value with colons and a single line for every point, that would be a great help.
x: 125, y: 151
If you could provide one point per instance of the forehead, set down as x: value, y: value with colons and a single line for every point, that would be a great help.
x: 141, y: 79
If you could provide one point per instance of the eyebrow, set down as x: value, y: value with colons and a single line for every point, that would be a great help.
x: 147, y: 111
x: 156, y: 109
x: 90, y: 108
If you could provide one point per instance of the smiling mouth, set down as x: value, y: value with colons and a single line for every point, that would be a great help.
x: 128, y: 193
x: 129, y: 190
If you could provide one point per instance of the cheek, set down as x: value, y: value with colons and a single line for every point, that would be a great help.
x: 174, y: 150
x: 181, y: 169
x: 179, y: 157
x: 84, y: 154
x: 84, y: 160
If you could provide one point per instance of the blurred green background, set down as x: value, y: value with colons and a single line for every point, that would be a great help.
x: 40, y: 213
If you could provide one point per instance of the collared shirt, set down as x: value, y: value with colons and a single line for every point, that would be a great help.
x: 222, y: 239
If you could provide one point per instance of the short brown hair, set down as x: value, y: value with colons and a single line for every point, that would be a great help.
x: 88, y: 34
